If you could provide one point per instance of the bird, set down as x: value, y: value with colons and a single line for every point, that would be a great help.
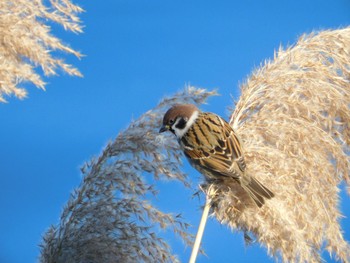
x: 213, y: 148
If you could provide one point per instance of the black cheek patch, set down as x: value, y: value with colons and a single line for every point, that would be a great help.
x: 181, y: 124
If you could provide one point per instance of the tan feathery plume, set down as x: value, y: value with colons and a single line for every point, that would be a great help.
x: 293, y: 117
x: 108, y: 217
x: 27, y: 43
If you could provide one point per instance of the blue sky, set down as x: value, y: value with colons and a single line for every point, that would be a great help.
x: 136, y: 53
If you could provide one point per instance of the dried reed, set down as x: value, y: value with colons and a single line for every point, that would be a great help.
x: 293, y: 117
x: 27, y: 43
x: 108, y: 218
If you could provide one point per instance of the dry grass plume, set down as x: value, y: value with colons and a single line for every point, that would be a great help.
x: 293, y: 117
x: 108, y: 217
x: 27, y: 44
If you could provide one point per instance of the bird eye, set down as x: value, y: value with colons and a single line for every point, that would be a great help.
x: 171, y: 121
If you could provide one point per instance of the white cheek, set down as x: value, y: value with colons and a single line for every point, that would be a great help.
x: 180, y: 132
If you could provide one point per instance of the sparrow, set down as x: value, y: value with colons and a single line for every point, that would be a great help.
x: 212, y: 147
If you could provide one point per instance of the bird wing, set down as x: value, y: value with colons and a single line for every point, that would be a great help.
x: 213, y: 145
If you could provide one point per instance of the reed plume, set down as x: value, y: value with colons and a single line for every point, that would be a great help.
x: 109, y: 218
x: 293, y: 118
x: 27, y: 46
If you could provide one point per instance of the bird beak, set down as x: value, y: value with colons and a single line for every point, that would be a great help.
x: 164, y: 128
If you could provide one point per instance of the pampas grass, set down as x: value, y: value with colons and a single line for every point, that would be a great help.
x: 293, y: 117
x: 27, y: 43
x: 108, y: 217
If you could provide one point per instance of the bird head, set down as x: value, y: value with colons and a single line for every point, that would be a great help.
x: 179, y: 118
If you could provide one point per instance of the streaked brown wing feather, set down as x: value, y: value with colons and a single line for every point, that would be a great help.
x: 212, y: 144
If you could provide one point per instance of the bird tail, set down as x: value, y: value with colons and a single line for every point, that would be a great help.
x: 257, y: 191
